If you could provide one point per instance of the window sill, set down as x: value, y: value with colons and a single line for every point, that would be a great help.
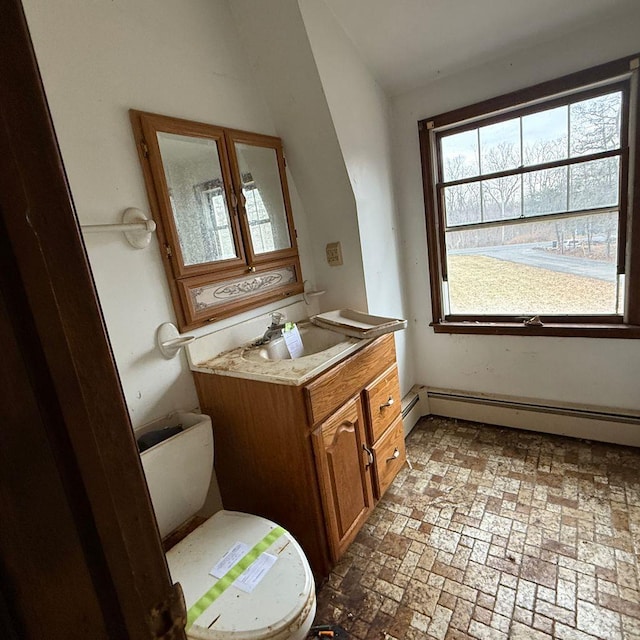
x: 565, y: 330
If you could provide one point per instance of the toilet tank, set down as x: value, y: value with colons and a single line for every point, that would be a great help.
x: 179, y: 469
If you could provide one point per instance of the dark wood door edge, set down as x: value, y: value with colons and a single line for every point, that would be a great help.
x: 94, y: 434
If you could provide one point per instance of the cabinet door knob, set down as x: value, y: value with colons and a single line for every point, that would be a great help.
x: 251, y: 269
x: 369, y: 455
x: 388, y: 403
x: 395, y: 456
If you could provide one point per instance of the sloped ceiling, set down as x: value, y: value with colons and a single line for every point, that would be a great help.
x: 408, y: 43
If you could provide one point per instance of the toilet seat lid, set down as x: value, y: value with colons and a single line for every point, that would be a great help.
x: 276, y: 603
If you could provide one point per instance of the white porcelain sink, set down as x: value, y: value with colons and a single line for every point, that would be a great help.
x: 314, y: 339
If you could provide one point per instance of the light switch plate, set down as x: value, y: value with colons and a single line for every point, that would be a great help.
x: 334, y: 254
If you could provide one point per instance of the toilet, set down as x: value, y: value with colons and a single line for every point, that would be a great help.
x: 282, y: 603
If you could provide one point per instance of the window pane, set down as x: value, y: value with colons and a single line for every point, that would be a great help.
x: 594, y: 184
x: 460, y: 155
x: 501, y: 198
x: 544, y: 136
x: 545, y: 191
x: 500, y: 146
x: 462, y: 204
x: 558, y: 267
x: 595, y: 124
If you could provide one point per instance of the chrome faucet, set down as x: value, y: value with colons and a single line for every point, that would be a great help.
x: 274, y: 329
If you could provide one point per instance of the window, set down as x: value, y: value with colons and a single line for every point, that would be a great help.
x: 530, y: 216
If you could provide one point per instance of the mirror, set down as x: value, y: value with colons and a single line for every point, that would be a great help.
x: 197, y: 195
x: 262, y: 198
x: 220, y: 200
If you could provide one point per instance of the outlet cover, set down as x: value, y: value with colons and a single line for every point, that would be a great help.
x: 334, y: 254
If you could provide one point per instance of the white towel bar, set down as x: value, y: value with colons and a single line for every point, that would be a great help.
x: 135, y: 224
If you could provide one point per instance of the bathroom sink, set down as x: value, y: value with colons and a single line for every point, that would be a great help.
x: 314, y: 339
x: 271, y: 362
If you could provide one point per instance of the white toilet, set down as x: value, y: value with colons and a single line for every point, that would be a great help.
x: 282, y: 604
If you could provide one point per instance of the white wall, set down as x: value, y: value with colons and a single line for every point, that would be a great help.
x: 589, y: 371
x: 99, y: 59
x: 360, y: 114
x: 274, y: 36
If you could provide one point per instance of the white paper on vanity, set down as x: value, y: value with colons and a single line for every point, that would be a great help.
x: 293, y: 340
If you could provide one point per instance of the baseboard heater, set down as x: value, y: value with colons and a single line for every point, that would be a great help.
x: 606, y: 424
x: 412, y: 409
x: 408, y: 402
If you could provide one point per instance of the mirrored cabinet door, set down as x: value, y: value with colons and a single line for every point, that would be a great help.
x: 198, y: 199
x: 192, y: 180
x: 260, y: 181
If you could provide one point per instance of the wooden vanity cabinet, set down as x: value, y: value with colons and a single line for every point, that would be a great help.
x: 314, y: 458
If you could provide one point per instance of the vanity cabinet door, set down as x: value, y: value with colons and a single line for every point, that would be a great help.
x: 344, y: 467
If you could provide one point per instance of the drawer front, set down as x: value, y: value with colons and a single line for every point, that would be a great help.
x: 330, y: 390
x: 383, y: 402
x: 389, y: 455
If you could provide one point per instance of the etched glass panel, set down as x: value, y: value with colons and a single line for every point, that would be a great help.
x: 219, y: 293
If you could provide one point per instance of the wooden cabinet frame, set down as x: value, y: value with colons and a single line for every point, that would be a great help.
x: 257, y: 277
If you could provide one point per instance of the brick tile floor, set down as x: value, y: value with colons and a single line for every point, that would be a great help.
x: 496, y: 534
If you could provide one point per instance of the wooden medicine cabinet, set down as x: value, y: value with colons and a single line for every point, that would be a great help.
x: 225, y: 228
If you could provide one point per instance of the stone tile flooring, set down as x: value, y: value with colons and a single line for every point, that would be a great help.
x: 495, y: 534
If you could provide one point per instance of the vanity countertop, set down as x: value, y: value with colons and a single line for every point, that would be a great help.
x: 241, y: 363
